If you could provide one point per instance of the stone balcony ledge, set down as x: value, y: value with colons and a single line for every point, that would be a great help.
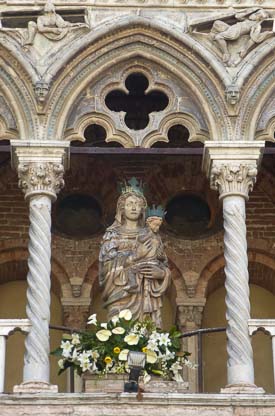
x: 101, y: 404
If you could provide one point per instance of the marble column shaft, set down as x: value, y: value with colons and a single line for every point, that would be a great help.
x: 40, y: 182
x: 234, y: 180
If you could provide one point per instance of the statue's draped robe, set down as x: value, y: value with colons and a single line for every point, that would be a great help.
x: 146, y: 300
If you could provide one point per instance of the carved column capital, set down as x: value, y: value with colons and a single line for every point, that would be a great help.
x: 41, y: 178
x: 232, y: 166
x: 75, y: 316
x: 189, y: 316
x: 233, y: 178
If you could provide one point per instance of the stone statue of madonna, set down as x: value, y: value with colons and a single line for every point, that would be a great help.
x: 134, y: 269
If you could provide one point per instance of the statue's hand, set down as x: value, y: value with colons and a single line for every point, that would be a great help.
x: 152, y: 271
x: 143, y: 249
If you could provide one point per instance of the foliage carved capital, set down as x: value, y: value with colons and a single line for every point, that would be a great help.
x: 41, y: 178
x: 233, y: 178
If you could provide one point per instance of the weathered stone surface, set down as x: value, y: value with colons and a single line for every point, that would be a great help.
x: 128, y: 405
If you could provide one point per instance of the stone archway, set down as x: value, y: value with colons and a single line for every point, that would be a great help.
x: 262, y: 291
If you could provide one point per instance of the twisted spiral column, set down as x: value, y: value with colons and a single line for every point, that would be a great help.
x: 239, y: 349
x: 40, y: 182
x: 234, y: 180
x: 36, y: 360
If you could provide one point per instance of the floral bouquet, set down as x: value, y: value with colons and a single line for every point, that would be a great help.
x: 103, y: 349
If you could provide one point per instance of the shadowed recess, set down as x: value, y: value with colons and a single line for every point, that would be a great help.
x: 136, y: 103
x: 78, y: 216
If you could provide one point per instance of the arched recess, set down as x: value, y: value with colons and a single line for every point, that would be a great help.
x: 262, y: 296
x: 170, y: 301
x: 139, y: 42
x: 13, y: 299
x: 255, y: 107
x: 16, y: 89
x: 19, y: 255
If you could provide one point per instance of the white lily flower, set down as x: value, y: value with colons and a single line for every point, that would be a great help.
x: 118, y: 330
x: 123, y: 355
x: 66, y: 348
x: 164, y: 339
x: 85, y: 365
x: 103, y: 335
x: 125, y: 314
x: 104, y: 325
x: 92, y: 320
x: 75, y: 339
x: 60, y: 363
x: 146, y: 377
x: 75, y: 355
x: 115, y: 319
x: 131, y: 339
x: 151, y: 357
x: 94, y: 355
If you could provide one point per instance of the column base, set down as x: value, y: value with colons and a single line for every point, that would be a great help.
x: 35, y: 387
x: 242, y: 389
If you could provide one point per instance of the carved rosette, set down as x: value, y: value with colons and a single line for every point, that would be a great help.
x: 41, y: 178
x: 233, y: 179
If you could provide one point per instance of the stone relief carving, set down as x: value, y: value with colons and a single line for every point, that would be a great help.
x: 232, y: 94
x: 234, y: 33
x: 249, y: 23
x: 51, y: 25
x: 190, y: 313
x: 75, y: 316
x: 133, y: 265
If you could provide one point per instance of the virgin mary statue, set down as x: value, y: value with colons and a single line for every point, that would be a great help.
x: 134, y: 270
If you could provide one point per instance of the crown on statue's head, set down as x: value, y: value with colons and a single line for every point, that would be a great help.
x: 155, y: 211
x: 132, y: 185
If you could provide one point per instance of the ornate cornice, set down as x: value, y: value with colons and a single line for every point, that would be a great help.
x: 41, y: 178
x: 233, y: 178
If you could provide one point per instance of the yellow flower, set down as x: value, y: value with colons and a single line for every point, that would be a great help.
x: 144, y: 349
x: 126, y: 314
x: 116, y: 350
x: 108, y: 360
x: 103, y: 335
x: 131, y: 339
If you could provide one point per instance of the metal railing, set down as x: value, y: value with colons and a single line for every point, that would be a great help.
x: 199, y: 333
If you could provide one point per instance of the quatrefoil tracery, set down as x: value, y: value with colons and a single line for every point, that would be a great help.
x: 136, y: 103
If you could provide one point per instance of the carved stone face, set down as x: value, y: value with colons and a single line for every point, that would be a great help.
x: 132, y: 208
x: 259, y: 15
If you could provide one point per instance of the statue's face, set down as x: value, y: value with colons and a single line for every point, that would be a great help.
x: 258, y: 16
x: 133, y: 207
x: 154, y: 223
